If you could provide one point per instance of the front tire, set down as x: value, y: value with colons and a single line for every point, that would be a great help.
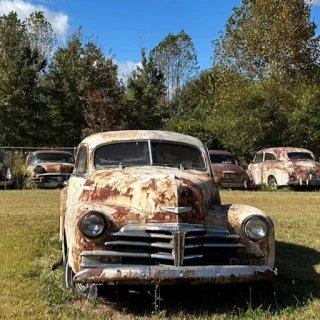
x: 272, y: 182
x: 90, y: 291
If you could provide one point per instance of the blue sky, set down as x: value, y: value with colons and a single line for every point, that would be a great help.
x: 124, y: 26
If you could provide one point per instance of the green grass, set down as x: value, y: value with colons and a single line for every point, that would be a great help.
x: 29, y: 246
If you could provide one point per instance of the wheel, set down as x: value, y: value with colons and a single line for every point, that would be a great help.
x: 272, y: 182
x: 90, y: 291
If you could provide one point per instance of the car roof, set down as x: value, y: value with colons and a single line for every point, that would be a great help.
x: 281, y: 150
x: 51, y: 151
x: 131, y: 135
x: 222, y: 152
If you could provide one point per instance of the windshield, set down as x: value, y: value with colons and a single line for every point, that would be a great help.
x: 300, y: 156
x: 129, y: 153
x: 53, y: 157
x: 221, y: 158
x: 137, y: 154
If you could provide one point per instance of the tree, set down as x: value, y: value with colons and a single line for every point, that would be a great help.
x: 105, y: 95
x: 254, y: 117
x: 193, y: 106
x: 176, y: 58
x: 22, y: 113
x: 85, y: 93
x: 270, y: 39
x: 65, y: 92
x: 40, y: 34
x: 145, y: 96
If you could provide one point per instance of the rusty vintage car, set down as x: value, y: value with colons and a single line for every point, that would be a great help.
x: 226, y: 170
x: 141, y: 207
x: 285, y: 167
x: 50, y: 168
x: 6, y: 180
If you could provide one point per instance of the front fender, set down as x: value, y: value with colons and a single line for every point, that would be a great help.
x: 233, y: 218
x: 117, y: 216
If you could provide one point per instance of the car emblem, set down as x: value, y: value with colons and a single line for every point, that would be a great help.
x: 176, y: 210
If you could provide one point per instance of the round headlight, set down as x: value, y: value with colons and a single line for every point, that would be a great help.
x: 39, y: 169
x: 256, y: 228
x: 92, y: 225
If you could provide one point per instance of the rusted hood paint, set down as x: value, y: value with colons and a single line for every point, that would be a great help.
x: 151, y: 189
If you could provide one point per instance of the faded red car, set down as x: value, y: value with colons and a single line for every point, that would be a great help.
x: 50, y: 168
x: 285, y: 166
x: 226, y: 170
x: 141, y: 208
x: 5, y: 176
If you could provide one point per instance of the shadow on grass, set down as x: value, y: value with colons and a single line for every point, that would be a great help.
x: 296, y: 284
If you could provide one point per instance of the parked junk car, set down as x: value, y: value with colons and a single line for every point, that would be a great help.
x: 285, y: 167
x: 142, y: 208
x: 226, y: 170
x: 50, y: 168
x: 5, y: 176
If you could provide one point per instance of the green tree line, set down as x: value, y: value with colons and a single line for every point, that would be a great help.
x: 262, y: 89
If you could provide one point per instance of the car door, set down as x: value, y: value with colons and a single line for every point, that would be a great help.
x: 78, y: 177
x: 269, y: 161
x: 256, y: 168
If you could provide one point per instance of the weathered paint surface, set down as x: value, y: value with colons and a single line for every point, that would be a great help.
x: 302, y: 172
x: 140, y: 196
x: 229, y: 175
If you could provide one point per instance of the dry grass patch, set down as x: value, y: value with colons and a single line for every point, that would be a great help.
x: 29, y: 246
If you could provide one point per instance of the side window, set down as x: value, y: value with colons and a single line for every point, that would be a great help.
x: 258, y: 158
x: 269, y: 157
x: 82, y: 163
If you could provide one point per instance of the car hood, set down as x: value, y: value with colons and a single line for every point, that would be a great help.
x: 159, y: 193
x: 53, y: 167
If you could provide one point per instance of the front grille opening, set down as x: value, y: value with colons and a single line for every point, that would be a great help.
x: 153, y: 245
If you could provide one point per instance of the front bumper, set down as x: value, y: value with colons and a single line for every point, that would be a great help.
x: 169, y: 275
x: 230, y: 184
x: 6, y: 183
x: 50, y: 180
x: 308, y: 182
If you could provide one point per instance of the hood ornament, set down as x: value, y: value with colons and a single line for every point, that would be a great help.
x: 176, y: 210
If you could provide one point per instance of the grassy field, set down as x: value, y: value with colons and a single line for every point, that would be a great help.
x: 29, y: 246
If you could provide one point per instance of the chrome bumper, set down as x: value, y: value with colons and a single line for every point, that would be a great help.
x: 50, y: 180
x: 169, y: 275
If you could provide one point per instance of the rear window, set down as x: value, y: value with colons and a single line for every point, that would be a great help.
x: 300, y: 156
x: 221, y: 158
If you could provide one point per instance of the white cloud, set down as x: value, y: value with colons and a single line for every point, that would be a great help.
x: 314, y: 2
x: 125, y: 68
x: 58, y: 20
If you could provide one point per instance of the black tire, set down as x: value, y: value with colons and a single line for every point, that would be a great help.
x: 68, y: 275
x: 272, y: 182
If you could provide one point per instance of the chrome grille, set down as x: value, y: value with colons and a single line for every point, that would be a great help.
x: 173, y: 244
